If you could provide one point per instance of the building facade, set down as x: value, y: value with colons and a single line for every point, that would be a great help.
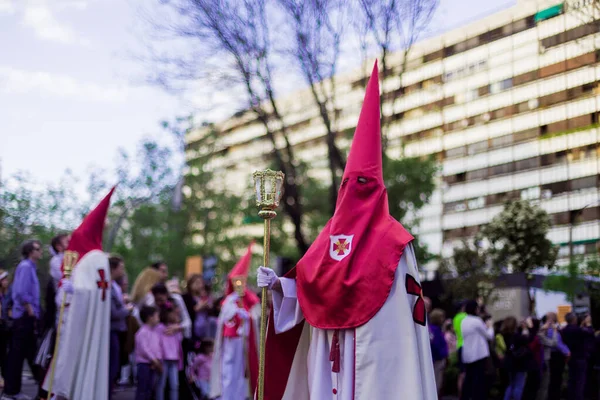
x: 509, y: 105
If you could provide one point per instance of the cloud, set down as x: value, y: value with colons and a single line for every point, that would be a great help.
x: 17, y: 81
x: 42, y: 20
x: 7, y: 7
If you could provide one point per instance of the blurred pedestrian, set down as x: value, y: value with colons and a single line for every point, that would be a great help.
x: 476, y: 335
x: 555, y: 352
x: 534, y: 372
x: 25, y: 312
x: 579, y: 340
x: 439, y: 347
x: 4, y: 336
x: 198, y: 303
x: 456, y: 322
x: 449, y: 336
x: 175, y: 293
x: 119, y: 311
x: 148, y: 353
x: 200, y: 371
x: 186, y: 328
x: 163, y: 270
x: 172, y: 355
x: 141, y: 294
x: 516, y: 360
x: 128, y: 341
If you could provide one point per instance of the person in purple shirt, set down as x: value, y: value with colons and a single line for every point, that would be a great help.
x: 25, y: 312
x: 439, y: 347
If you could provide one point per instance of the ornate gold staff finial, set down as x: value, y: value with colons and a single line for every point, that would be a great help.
x: 269, y: 186
x: 69, y: 260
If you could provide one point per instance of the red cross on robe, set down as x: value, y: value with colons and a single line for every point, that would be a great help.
x: 413, y: 288
x: 340, y: 247
x: 102, y: 283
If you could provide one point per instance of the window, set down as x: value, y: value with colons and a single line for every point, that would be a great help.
x: 495, y: 34
x: 501, y: 141
x: 456, y: 152
x: 531, y: 193
x: 580, y: 122
x: 478, y: 147
x: 477, y: 174
x: 473, y: 42
x: 571, y: 34
x: 454, y: 206
x: 523, y: 107
x: 584, y: 183
x: 436, y: 55
x: 529, y: 163
x: 476, y: 203
x: 497, y: 87
x: 561, y: 218
x: 525, y: 78
x: 557, y: 187
x: 502, y: 169
x: 526, y: 135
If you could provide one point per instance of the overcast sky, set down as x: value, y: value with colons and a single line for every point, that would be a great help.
x: 71, y: 93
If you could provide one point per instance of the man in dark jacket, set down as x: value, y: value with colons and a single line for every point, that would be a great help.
x: 579, y: 340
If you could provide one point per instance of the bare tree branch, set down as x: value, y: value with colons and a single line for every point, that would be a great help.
x: 317, y: 27
x: 237, y: 32
x: 395, y: 26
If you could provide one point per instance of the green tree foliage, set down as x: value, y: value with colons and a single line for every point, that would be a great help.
x: 216, y: 216
x: 468, y: 273
x: 518, y: 240
x: 570, y: 279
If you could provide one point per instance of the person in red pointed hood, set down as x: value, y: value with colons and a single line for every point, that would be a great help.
x: 348, y: 322
x: 234, y: 371
x: 81, y: 367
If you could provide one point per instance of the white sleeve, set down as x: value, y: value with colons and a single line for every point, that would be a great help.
x: 286, y: 309
x: 186, y: 321
x: 486, y: 332
x: 228, y: 310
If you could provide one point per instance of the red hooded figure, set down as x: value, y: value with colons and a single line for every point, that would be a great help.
x: 234, y: 371
x: 348, y: 321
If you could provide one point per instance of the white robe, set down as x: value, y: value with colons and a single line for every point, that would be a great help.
x: 227, y: 380
x: 387, y: 358
x: 81, y: 370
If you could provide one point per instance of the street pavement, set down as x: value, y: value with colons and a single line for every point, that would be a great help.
x: 125, y: 393
x: 30, y: 389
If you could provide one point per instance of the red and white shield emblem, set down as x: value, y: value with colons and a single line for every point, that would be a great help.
x: 340, y: 246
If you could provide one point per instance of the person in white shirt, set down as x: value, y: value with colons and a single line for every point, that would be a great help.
x: 476, y: 335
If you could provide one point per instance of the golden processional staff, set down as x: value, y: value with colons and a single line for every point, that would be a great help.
x: 69, y: 260
x: 268, y: 185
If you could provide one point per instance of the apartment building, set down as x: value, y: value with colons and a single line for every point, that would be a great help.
x: 509, y: 105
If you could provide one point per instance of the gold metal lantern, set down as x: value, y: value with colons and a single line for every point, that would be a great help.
x: 269, y: 190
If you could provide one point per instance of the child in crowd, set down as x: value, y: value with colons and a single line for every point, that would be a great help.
x: 171, y: 337
x: 201, y: 367
x: 148, y: 353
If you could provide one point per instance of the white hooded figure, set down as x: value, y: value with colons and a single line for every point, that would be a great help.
x: 81, y: 366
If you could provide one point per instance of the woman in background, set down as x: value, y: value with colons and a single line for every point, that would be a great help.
x: 141, y: 294
x: 198, y: 303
